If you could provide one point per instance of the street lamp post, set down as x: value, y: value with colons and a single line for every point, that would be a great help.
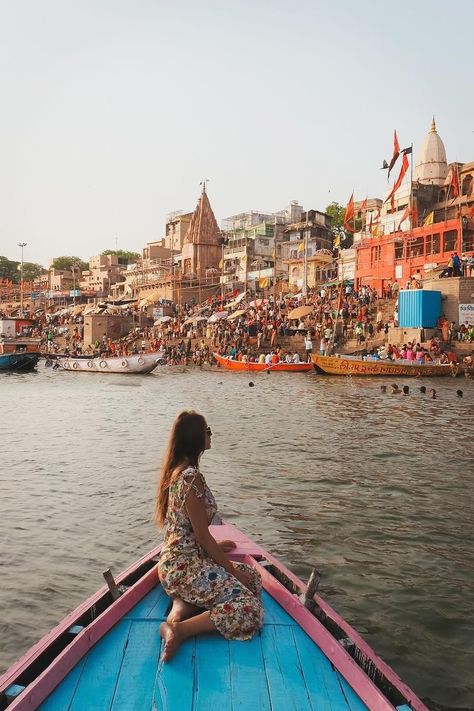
x: 74, y: 267
x: 22, y: 245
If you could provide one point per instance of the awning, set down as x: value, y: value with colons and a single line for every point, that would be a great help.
x: 218, y: 316
x: 193, y: 320
x: 300, y: 312
x: 236, y: 314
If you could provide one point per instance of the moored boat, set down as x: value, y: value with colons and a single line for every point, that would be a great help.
x: 105, y: 655
x: 19, y: 355
x: 139, y: 363
x: 350, y: 365
x: 231, y: 364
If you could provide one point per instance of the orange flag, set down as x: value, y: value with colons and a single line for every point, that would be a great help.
x: 362, y: 207
x: 398, y: 182
x: 404, y: 217
x: 396, y: 153
x: 349, y: 215
x: 454, y: 184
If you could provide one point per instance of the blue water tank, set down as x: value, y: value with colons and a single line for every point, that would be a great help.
x: 418, y: 308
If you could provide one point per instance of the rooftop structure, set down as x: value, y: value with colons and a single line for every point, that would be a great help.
x: 431, y: 165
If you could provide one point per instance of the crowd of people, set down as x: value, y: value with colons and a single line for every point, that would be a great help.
x: 255, y: 330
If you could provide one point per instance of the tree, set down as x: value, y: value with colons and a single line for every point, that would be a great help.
x: 67, y: 262
x: 124, y: 257
x: 336, y: 214
x: 9, y: 270
x: 32, y: 271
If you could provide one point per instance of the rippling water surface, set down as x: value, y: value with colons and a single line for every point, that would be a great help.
x: 375, y: 490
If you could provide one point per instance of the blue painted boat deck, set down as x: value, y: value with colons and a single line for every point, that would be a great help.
x: 281, y: 669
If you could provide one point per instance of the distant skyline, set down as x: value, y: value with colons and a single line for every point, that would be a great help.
x: 113, y: 112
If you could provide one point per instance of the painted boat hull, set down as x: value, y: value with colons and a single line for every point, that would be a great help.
x: 135, y: 364
x: 341, y: 365
x: 79, y: 656
x: 18, y: 362
x: 230, y: 364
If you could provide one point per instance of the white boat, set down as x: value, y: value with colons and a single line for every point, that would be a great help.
x: 139, y: 363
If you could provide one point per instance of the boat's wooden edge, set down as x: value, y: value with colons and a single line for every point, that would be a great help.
x: 237, y: 365
x: 246, y: 551
x: 328, y: 644
x: 32, y: 654
x: 334, y: 365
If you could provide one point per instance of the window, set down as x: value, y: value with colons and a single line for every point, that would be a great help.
x: 468, y: 241
x: 467, y: 185
x: 399, y: 249
x: 416, y: 247
x: 375, y: 254
x: 433, y: 244
x: 450, y: 241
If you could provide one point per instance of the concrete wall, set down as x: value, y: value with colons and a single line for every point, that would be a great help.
x: 455, y: 291
x: 95, y: 325
x: 398, y: 336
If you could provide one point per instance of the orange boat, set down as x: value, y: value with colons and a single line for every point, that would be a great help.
x: 348, y: 365
x: 231, y: 364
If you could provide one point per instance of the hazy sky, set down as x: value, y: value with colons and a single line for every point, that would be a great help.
x: 112, y: 111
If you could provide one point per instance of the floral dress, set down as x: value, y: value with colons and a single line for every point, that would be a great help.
x: 186, y: 571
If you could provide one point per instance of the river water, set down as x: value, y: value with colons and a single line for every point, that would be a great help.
x: 376, y: 491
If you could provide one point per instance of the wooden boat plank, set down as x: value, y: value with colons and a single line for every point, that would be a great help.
x: 153, y: 606
x: 354, y: 702
x: 321, y: 678
x: 62, y: 696
x: 212, y: 674
x: 249, y: 689
x: 136, y: 681
x: 174, y: 682
x: 100, y: 673
x: 274, y: 613
x: 288, y: 691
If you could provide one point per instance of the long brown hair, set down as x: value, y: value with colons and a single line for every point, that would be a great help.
x: 186, y: 444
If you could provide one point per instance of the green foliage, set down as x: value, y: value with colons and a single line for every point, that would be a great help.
x: 336, y: 214
x: 9, y: 270
x: 67, y: 262
x: 32, y: 271
x: 124, y: 257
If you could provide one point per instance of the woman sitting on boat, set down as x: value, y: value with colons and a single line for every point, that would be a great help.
x: 209, y: 592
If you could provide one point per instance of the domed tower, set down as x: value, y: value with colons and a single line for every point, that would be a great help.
x: 431, y: 167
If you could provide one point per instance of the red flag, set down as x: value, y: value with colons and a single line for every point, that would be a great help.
x: 362, y: 207
x: 396, y: 153
x: 398, y: 182
x: 404, y: 217
x: 349, y: 215
x: 454, y: 184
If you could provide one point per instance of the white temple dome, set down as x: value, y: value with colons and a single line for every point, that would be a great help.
x: 431, y: 166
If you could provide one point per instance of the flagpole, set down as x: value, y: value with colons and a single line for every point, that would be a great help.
x: 411, y: 189
x: 461, y: 235
x: 305, y: 259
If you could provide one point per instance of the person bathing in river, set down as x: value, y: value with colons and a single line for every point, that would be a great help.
x: 209, y: 592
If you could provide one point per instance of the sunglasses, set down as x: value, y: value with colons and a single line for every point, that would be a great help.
x: 209, y: 431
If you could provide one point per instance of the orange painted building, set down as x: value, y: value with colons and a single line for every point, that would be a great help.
x: 424, y: 250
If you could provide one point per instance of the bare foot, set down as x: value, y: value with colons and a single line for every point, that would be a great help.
x: 172, y: 640
x: 181, y: 611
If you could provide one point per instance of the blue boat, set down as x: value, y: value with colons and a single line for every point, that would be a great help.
x: 106, y: 655
x: 18, y: 362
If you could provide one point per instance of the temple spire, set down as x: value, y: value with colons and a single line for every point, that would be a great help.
x: 433, y: 126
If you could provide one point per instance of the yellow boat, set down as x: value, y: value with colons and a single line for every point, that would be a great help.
x: 351, y: 365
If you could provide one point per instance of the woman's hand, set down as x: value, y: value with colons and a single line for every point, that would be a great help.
x: 227, y: 546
